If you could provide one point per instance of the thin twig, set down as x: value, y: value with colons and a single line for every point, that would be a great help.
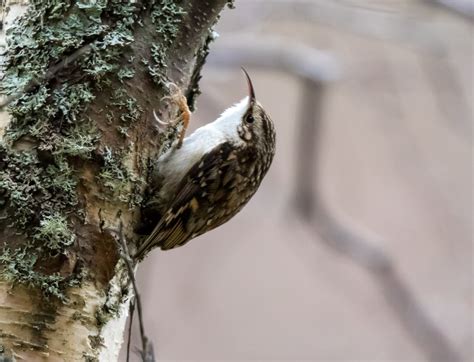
x: 131, y: 311
x: 147, y: 348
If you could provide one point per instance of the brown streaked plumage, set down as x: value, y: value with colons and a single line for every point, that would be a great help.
x: 212, y: 176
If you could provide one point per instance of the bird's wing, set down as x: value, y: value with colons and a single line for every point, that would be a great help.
x: 205, y: 185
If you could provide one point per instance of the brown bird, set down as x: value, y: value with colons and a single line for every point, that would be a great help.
x: 214, y: 173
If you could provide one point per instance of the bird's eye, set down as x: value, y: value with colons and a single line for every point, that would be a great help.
x: 249, y: 119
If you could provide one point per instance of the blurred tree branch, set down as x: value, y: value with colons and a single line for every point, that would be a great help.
x: 342, y: 238
x: 315, y: 69
x: 461, y: 7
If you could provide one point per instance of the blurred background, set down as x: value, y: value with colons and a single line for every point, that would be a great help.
x: 358, y: 245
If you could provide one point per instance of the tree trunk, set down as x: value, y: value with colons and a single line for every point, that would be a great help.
x: 76, y: 154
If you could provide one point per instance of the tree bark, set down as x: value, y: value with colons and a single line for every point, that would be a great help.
x: 76, y: 156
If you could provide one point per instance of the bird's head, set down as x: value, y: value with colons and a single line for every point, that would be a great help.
x: 249, y: 122
x: 256, y: 125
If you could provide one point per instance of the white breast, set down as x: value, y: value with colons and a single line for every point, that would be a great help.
x: 175, y: 163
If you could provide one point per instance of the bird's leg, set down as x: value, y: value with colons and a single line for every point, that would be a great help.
x: 185, y: 114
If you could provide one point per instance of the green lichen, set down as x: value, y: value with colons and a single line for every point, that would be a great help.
x: 125, y: 73
x: 96, y: 341
x: 37, y: 196
x: 31, y: 189
x: 166, y: 16
x: 89, y: 358
x: 113, y: 174
x: 120, y: 184
x: 38, y: 187
x: 54, y: 232
x: 123, y: 131
x: 19, y: 268
x: 114, y: 299
x: 109, y: 310
x: 157, y: 68
x: 61, y: 55
x: 128, y: 105
x: 35, y: 49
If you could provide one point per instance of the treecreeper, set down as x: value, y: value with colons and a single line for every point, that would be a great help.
x: 209, y: 176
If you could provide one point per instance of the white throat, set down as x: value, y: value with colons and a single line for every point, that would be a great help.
x: 229, y: 120
x: 176, y: 162
x: 207, y: 137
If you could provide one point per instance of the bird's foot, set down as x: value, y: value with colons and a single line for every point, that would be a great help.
x: 177, y: 97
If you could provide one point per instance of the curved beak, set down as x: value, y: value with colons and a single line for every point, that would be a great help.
x: 252, y: 98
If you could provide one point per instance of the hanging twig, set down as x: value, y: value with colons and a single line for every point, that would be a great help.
x: 131, y: 311
x: 147, y: 347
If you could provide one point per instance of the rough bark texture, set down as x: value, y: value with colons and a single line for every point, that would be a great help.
x: 75, y: 159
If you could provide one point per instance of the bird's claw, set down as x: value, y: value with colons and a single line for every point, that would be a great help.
x: 160, y: 122
x: 176, y: 97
